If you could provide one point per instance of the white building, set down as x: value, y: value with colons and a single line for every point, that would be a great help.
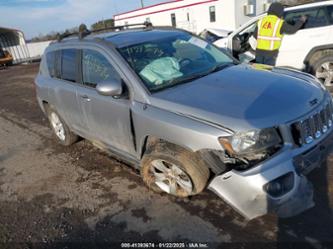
x: 196, y: 15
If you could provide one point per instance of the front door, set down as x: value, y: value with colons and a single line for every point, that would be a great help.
x: 108, y: 118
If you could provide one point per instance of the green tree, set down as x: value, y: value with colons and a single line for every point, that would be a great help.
x: 108, y: 23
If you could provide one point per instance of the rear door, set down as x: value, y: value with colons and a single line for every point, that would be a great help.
x: 314, y: 33
x: 64, y: 89
x: 108, y: 118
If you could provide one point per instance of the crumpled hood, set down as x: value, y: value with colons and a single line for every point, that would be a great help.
x: 243, y: 97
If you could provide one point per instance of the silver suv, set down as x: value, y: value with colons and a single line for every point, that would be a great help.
x: 189, y: 116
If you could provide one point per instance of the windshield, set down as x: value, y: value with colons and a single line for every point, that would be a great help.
x: 179, y: 58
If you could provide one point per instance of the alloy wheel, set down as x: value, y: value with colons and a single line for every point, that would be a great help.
x: 170, y: 178
x: 57, y: 126
x: 325, y: 73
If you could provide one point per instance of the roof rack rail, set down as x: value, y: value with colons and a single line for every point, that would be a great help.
x: 84, y: 31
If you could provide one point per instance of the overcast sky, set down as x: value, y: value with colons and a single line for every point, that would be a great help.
x: 43, y: 16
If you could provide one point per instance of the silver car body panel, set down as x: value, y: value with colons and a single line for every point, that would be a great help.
x: 174, y: 128
x: 194, y: 116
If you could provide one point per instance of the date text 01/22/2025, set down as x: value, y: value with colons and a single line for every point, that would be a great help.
x: 164, y: 245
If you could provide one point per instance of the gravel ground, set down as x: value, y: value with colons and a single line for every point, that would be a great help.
x: 63, y: 197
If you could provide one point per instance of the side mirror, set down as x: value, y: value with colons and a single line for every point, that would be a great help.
x: 112, y: 88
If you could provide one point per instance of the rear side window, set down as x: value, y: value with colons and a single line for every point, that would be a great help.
x: 96, y: 68
x: 317, y: 17
x: 69, y: 65
x: 51, y: 63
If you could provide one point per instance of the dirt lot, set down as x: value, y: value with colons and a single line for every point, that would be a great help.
x: 51, y: 196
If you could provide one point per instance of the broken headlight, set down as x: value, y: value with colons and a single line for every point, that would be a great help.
x: 251, y: 143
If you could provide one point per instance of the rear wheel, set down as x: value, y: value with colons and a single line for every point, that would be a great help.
x: 60, y: 129
x: 321, y: 65
x: 174, y: 171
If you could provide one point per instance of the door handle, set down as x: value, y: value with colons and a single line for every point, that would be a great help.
x: 86, y: 98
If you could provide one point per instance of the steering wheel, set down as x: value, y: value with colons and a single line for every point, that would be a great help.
x: 141, y: 64
x: 185, y: 62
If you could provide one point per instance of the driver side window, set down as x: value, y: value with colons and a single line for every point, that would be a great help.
x: 96, y: 69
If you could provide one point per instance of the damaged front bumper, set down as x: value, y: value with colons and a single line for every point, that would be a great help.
x: 245, y: 191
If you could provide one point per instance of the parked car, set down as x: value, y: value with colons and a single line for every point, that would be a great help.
x: 6, y: 58
x: 310, y: 49
x: 189, y: 116
x: 212, y: 35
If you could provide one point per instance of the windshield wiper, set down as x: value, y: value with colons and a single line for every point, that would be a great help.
x: 214, y: 69
x: 180, y: 80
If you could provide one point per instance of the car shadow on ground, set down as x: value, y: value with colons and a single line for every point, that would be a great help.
x: 306, y: 230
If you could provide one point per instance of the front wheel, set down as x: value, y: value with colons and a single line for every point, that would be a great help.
x: 60, y: 129
x: 174, y: 171
x: 322, y: 67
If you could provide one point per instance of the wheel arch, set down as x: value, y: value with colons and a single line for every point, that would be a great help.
x: 214, y: 165
x: 150, y: 141
x: 312, y: 52
x: 43, y: 104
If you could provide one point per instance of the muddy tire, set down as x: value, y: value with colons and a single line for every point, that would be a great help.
x: 61, y: 131
x: 176, y: 171
x: 321, y: 66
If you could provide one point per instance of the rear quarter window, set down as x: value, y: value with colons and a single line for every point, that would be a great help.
x: 51, y: 63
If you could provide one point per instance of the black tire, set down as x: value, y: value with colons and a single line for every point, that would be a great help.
x: 192, y: 165
x: 317, y: 61
x: 69, y: 137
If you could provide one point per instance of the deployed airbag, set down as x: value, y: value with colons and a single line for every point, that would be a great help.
x: 161, y: 70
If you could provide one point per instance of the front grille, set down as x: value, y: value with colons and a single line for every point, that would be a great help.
x: 313, y: 127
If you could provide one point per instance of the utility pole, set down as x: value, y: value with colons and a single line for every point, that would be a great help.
x: 142, y: 5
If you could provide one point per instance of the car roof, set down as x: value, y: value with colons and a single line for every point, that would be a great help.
x: 125, y: 39
x: 129, y: 37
